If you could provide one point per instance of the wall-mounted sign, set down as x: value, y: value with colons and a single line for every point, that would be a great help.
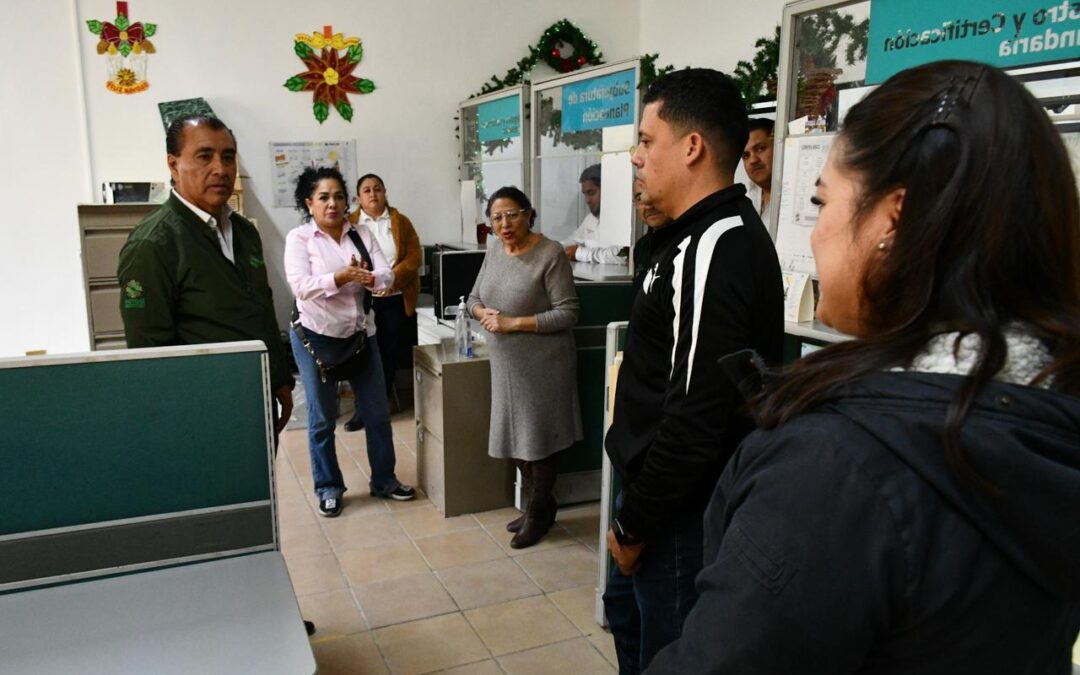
x: 605, y: 101
x: 1004, y: 33
x: 499, y: 120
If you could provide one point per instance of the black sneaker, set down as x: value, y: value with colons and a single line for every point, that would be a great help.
x: 401, y: 493
x: 331, y: 508
x: 354, y: 425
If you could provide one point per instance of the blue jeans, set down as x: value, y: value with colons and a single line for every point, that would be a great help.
x: 322, y: 402
x: 646, y: 611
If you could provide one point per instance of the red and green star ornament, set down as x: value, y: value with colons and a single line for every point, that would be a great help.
x: 329, y: 73
x: 125, y: 46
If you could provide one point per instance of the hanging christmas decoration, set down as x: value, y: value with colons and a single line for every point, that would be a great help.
x: 125, y: 46
x: 329, y: 72
x: 562, y: 46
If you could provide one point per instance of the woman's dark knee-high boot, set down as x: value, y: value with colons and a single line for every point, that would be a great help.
x: 515, y: 524
x: 540, y: 515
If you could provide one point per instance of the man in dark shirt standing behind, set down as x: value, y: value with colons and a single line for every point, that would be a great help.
x: 713, y: 287
x: 192, y: 271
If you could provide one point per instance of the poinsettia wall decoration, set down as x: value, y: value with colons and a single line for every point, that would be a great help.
x: 329, y: 73
x: 125, y: 46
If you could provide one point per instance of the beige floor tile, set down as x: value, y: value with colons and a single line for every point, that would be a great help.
x: 488, y: 667
x: 351, y: 442
x: 573, y: 656
x: 348, y: 655
x: 376, y: 529
x: 560, y: 568
x: 405, y: 599
x: 605, y: 644
x: 487, y: 583
x: 458, y: 548
x: 426, y: 521
x: 302, y: 541
x: 360, y: 504
x: 421, y: 500
x: 520, y: 624
x: 355, y: 479
x: 335, y: 613
x: 579, y: 605
x: 582, y: 523
x: 315, y: 573
x: 296, y: 510
x: 495, y: 521
x: 555, y: 538
x: 406, y: 467
x: 292, y: 440
x: 381, y: 563
x: 429, y: 645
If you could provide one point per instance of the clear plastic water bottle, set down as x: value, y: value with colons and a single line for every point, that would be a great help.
x: 463, y: 331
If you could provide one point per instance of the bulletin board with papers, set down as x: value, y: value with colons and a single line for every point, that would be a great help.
x: 288, y: 161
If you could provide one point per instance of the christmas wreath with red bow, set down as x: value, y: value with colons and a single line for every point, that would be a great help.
x: 563, y: 46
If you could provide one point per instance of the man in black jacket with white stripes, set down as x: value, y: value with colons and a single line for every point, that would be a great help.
x: 713, y: 287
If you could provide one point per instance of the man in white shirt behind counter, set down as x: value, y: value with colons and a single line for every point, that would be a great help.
x: 583, y: 245
x: 757, y: 161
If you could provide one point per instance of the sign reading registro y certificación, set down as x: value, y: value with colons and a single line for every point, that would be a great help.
x: 605, y: 101
x: 1004, y: 33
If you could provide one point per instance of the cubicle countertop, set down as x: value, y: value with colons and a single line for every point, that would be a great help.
x: 232, y: 615
x: 460, y: 245
x: 597, y: 272
x: 446, y: 352
x: 814, y: 330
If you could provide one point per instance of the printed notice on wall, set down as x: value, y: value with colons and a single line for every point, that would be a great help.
x: 288, y: 161
x: 804, y: 158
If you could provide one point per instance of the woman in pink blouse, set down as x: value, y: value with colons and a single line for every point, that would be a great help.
x: 333, y: 285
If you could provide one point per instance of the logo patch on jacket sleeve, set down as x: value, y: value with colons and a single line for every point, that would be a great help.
x: 133, y: 291
x: 256, y: 261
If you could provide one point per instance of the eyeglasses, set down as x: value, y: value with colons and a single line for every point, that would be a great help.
x: 510, y: 216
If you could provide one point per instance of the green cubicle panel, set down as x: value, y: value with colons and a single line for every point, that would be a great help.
x: 601, y: 303
x: 121, y: 458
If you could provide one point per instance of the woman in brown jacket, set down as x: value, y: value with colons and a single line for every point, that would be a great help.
x: 395, y: 308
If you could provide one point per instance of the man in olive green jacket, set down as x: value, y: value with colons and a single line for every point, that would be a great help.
x: 193, y: 271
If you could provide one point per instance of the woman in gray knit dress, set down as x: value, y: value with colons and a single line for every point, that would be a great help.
x: 524, y: 298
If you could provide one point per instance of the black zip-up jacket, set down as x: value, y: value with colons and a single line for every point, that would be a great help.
x: 178, y: 288
x: 842, y: 542
x: 713, y: 287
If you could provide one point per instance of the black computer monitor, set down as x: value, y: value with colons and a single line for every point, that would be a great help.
x: 453, y: 275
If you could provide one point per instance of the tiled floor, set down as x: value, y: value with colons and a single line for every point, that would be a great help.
x: 395, y: 587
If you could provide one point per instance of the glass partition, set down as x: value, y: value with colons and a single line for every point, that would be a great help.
x: 581, y: 120
x: 493, y: 139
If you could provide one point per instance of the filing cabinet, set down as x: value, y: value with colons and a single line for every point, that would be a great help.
x: 452, y: 397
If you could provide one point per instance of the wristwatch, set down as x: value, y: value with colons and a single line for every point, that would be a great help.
x: 622, y: 536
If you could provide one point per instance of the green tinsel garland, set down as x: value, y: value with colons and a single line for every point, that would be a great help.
x: 549, y: 49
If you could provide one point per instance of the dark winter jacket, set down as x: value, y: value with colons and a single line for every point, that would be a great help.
x: 842, y: 543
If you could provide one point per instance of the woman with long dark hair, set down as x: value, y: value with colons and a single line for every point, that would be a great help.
x: 912, y: 502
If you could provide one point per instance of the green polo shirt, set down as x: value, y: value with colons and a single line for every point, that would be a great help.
x: 178, y: 288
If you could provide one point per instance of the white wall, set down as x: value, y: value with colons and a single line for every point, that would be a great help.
x: 423, y: 55
x: 44, y: 173
x: 706, y: 33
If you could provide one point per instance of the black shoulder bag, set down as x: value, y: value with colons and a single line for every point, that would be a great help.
x: 338, y: 359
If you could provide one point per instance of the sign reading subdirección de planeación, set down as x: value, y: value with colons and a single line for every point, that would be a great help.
x: 1004, y: 33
